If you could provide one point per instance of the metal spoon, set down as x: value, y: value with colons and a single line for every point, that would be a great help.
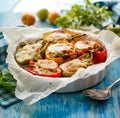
x: 100, y: 94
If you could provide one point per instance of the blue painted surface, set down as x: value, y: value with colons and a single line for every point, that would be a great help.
x: 70, y: 105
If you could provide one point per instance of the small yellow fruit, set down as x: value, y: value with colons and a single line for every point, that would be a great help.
x: 52, y: 16
x: 42, y: 14
x: 28, y: 19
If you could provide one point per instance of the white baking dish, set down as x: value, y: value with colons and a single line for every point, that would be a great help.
x: 86, y: 82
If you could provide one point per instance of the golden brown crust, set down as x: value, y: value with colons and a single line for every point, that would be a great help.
x: 70, y: 67
x: 59, y: 35
x: 27, y: 52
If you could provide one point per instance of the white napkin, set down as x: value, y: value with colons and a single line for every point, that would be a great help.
x: 32, y: 88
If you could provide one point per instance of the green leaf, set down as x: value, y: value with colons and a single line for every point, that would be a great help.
x: 84, y: 15
x: 10, y: 86
x: 63, y: 21
x: 88, y: 2
x: 7, y: 81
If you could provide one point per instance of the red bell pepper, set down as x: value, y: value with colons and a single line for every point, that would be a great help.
x: 31, y: 62
x: 99, y: 56
x: 57, y: 73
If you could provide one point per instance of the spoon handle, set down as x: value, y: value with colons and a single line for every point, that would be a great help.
x: 117, y: 81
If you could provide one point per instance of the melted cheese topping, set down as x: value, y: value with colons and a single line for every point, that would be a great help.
x: 27, y: 52
x: 72, y: 66
x: 80, y: 45
x: 48, y: 64
x: 60, y: 48
x: 57, y: 36
x: 45, y: 66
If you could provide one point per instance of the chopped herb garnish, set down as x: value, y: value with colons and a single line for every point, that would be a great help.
x: 36, y: 58
x: 100, y: 48
x: 58, y: 54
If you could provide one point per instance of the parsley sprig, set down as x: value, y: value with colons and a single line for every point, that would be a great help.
x: 7, y: 81
x: 84, y: 15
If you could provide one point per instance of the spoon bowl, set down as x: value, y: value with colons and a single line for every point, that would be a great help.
x: 102, y: 94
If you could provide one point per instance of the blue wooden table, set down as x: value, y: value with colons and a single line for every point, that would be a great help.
x: 68, y: 105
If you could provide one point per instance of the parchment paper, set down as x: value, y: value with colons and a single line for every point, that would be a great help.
x: 32, y: 88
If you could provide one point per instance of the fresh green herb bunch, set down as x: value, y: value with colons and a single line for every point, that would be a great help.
x: 84, y: 15
x: 7, y: 81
